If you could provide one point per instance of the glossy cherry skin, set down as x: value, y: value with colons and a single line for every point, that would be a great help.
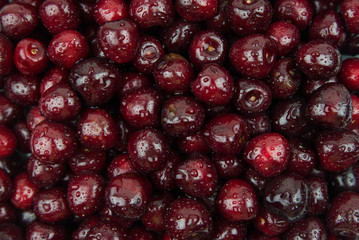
x: 269, y: 223
x: 85, y: 193
x: 57, y: 16
x: 307, y: 228
x: 107, y: 214
x: 8, y: 142
x: 195, y: 216
x: 95, y: 79
x: 87, y: 160
x: 182, y: 115
x: 128, y: 195
x: 6, y: 186
x: 193, y: 143
x: 149, y: 13
x: 227, y: 134
x: 30, y: 56
x: 318, y: 195
x: 110, y: 11
x: 33, y: 118
x: 97, y: 129
x: 349, y: 11
x: 6, y: 58
x: 320, y: 6
x: 342, y: 218
x: 24, y: 192
x: 220, y: 22
x: 84, y: 227
x: 286, y: 36
x: 106, y: 230
x: 268, y: 154
x: 196, y: 10
x: 8, y: 213
x: 247, y: 17
x: 50, y: 205
x: 207, y: 47
x: 147, y: 149
x: 18, y: 20
x: 197, y: 176
x: 52, y: 77
x: 298, y: 12
x: 237, y: 201
x: 251, y: 96
x: 253, y: 55
x: 119, y: 40
x: 308, y: 86
x: 131, y: 81
x: 328, y: 26
x: 287, y: 195
x: 119, y: 165
x: 39, y: 230
x: 53, y: 142
x: 337, y: 149
x: 173, y: 74
x: 138, y: 232
x: 258, y: 124
x: 11, y: 231
x: 330, y: 106
x: 141, y: 108
x: 347, y: 180
x: 349, y: 74
x: 44, y: 174
x: 229, y: 166
x: 319, y: 59
x: 22, y: 89
x: 223, y: 230
x: 213, y: 85
x: 302, y: 157
x: 60, y: 103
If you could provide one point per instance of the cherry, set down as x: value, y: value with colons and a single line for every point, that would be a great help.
x: 33, y: 118
x: 84, y: 227
x: 8, y: 213
x: 347, y: 180
x: 188, y: 219
x: 39, y: 230
x: 302, y: 157
x: 229, y: 166
x: 223, y: 230
x: 286, y: 36
x: 6, y: 58
x: 269, y: 223
x: 138, y: 232
x: 52, y: 77
x: 349, y: 74
x: 27, y: 217
x: 119, y: 165
x: 193, y: 143
x: 220, y: 22
x: 85, y: 193
x: 147, y: 149
x: 237, y: 201
x: 110, y: 11
x: 106, y: 231
x: 196, y: 10
x: 213, y: 85
x: 131, y: 81
x: 23, y: 135
x: 24, y: 192
x: 309, y: 86
x: 149, y: 13
x: 6, y: 186
x: 57, y: 16
x: 308, y: 228
x: 119, y: 40
x: 8, y: 142
x: 128, y: 195
x: 249, y: 16
x: 320, y: 6
x: 258, y: 124
x: 349, y: 11
x: 318, y: 195
x: 10, y: 231
x: 299, y: 12
x: 253, y: 55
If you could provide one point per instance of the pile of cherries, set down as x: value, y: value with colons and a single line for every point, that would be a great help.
x: 179, y: 119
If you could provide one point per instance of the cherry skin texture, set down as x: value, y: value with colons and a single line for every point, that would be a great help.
x: 52, y: 77
x: 119, y: 165
x: 8, y: 142
x: 6, y: 186
x: 286, y: 36
x: 196, y: 10
x: 33, y: 118
x: 349, y: 10
x: 10, y: 231
x: 237, y: 201
x: 106, y: 230
x: 349, y: 74
x: 269, y: 223
x: 193, y: 143
x: 24, y: 192
x: 223, y: 230
x: 85, y: 226
x: 39, y: 230
x: 131, y: 81
x: 22, y: 134
x: 299, y: 12
x: 308, y: 228
x: 229, y: 166
x: 110, y: 11
x: 347, y: 180
x: 302, y: 158
x: 318, y: 195
x: 6, y: 58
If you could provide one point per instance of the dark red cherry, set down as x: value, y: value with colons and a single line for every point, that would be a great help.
x: 6, y: 186
x: 97, y: 129
x: 22, y: 89
x: 214, y: 85
x: 138, y: 232
x: 229, y: 166
x: 208, y: 47
x: 347, y: 180
x: 268, y: 154
x: 342, y: 218
x: 319, y: 59
x: 149, y: 13
x: 87, y: 160
x: 251, y: 96
x: 337, y: 149
x: 227, y: 134
x: 50, y: 205
x: 237, y: 201
x: 23, y: 134
x: 119, y: 40
x: 287, y: 195
x: 57, y: 16
x: 141, y: 108
x: 197, y: 176
x: 302, y: 157
x: 188, y: 219
x: 299, y: 12
x: 147, y: 149
x: 330, y: 106
x: 107, y: 214
x: 8, y: 213
x: 52, y: 142
x: 106, y: 230
x: 110, y: 11
x: 84, y: 227
x: 43, y: 231
x: 119, y: 165
x: 193, y: 143
x: 24, y: 192
x: 128, y: 195
x: 307, y: 228
x: 308, y: 86
x: 286, y: 36
x: 44, y: 174
x: 66, y: 48
x: 131, y: 81
x: 53, y: 76
x: 11, y: 232
x: 318, y: 195
x: 258, y: 124
x: 249, y: 16
x: 349, y: 74
x: 349, y: 11
x: 257, y: 235
x: 182, y: 115
x: 223, y: 230
x: 269, y: 223
x: 18, y: 20
x: 320, y: 6
x: 220, y: 22
x: 173, y: 74
x: 6, y: 58
x: 8, y: 142
x: 196, y: 10
x: 85, y: 193
x: 34, y: 117
x: 253, y: 55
